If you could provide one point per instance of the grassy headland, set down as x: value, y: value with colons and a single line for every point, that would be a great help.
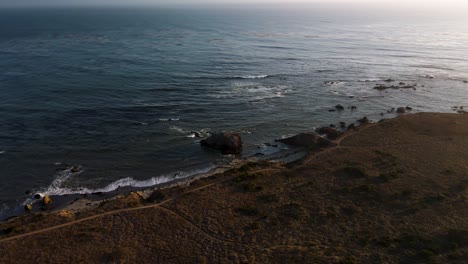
x: 391, y: 192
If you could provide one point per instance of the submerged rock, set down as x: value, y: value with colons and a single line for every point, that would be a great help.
x: 308, y: 140
x: 401, y: 110
x: 339, y: 107
x: 401, y: 85
x: 408, y: 108
x: 75, y: 169
x: 227, y: 142
x: 343, y: 125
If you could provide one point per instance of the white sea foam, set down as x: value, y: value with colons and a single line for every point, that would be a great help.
x: 57, y: 188
x: 371, y: 80
x: 169, y: 119
x: 262, y: 76
x: 178, y: 129
x: 2, y: 152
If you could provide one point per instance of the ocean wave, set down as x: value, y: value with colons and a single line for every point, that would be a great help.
x: 56, y: 188
x: 169, y: 119
x: 178, y: 129
x: 261, y: 76
x: 2, y: 152
x: 260, y: 92
x: 371, y: 80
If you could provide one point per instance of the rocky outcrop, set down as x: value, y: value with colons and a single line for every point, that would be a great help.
x: 401, y: 110
x: 65, y: 214
x: 330, y: 132
x: 28, y: 207
x: 227, y: 142
x: 308, y: 140
x: 364, y: 120
x: 46, y: 201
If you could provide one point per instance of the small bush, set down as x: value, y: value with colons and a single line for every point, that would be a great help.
x: 121, y: 255
x: 427, y: 254
x: 386, y: 177
x: 364, y: 188
x: 244, y: 177
x: 267, y: 198
x: 353, y: 172
x: 156, y: 197
x: 348, y: 260
x: 292, y: 211
x: 11, y: 229
x: 248, y: 211
x: 253, y: 226
x: 458, y: 237
x: 251, y: 187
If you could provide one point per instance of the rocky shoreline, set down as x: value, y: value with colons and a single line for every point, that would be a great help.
x: 227, y: 142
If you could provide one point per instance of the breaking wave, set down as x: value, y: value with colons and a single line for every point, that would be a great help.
x: 57, y: 188
x: 252, y: 76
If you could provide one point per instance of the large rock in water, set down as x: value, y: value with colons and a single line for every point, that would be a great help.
x: 227, y: 142
x: 308, y: 140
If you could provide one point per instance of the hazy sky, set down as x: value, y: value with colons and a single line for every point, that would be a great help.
x: 393, y: 3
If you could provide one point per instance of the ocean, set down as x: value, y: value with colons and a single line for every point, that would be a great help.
x: 119, y: 94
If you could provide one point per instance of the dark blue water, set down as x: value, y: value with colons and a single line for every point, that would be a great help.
x: 118, y: 92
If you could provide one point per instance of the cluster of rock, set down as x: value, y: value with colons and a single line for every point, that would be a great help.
x: 459, y: 109
x: 401, y: 85
x: 339, y: 107
x: 231, y: 143
x: 399, y: 110
x: 45, y: 203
